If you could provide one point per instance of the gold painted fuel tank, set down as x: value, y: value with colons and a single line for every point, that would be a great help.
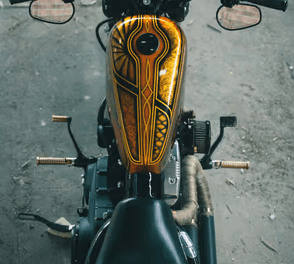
x: 145, y: 64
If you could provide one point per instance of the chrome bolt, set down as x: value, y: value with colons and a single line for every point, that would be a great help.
x: 172, y: 180
x: 105, y: 215
x: 120, y: 184
x: 146, y: 2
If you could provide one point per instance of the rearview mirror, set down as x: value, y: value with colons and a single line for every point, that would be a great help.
x: 52, y: 11
x: 238, y: 17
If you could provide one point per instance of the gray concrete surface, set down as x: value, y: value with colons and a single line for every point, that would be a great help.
x: 49, y: 69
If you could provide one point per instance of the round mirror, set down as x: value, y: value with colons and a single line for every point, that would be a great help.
x: 238, y: 17
x: 52, y: 11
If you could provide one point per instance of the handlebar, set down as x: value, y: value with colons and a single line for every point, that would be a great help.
x: 275, y: 4
x: 12, y: 2
x: 18, y: 1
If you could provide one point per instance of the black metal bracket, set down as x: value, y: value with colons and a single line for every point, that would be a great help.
x: 105, y: 131
x: 225, y: 121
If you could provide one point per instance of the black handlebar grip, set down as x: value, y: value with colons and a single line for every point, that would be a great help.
x: 18, y: 1
x: 275, y: 4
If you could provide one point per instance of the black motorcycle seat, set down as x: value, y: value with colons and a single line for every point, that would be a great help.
x: 142, y: 230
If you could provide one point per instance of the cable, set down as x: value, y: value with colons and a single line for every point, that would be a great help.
x: 97, y: 32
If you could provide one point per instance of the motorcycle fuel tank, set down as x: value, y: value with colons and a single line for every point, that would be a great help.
x: 145, y: 65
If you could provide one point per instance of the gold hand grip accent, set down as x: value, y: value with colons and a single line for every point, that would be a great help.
x: 231, y: 164
x: 54, y: 161
x: 236, y: 164
x: 56, y: 118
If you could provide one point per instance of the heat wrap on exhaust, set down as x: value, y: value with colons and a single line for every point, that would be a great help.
x: 195, y: 193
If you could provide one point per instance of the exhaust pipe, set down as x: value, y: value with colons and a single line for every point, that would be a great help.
x: 196, y: 195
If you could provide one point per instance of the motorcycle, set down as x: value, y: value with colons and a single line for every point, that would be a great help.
x: 147, y: 201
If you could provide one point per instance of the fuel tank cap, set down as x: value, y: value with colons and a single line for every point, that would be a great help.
x: 147, y: 44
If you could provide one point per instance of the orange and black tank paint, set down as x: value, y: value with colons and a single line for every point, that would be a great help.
x: 145, y: 64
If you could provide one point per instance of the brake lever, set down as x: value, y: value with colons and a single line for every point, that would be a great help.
x: 225, y: 121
